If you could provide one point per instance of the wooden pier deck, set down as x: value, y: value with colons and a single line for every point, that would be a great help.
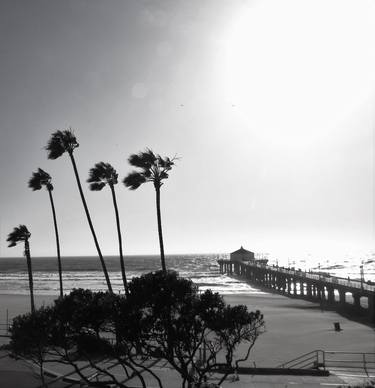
x: 344, y: 295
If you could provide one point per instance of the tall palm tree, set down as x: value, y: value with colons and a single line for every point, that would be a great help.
x: 153, y: 168
x: 38, y: 180
x: 59, y: 143
x: 21, y: 234
x: 101, y: 175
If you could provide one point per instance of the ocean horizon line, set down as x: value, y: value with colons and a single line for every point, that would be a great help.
x: 117, y: 255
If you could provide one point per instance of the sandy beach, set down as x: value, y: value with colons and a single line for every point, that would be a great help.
x: 293, y: 326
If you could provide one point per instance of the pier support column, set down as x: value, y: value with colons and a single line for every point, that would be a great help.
x: 357, y: 301
x: 294, y: 287
x: 309, y: 290
x: 331, y: 295
x: 342, y: 297
x: 289, y: 283
x: 371, y: 307
x: 320, y: 293
x: 301, y: 288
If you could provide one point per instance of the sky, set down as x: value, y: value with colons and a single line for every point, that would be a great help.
x: 269, y: 105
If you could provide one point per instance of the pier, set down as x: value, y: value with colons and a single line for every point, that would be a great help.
x: 356, y: 298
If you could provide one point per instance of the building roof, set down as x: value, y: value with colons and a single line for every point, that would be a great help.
x: 242, y: 251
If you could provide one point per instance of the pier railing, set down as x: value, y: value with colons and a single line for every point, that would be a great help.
x: 324, y: 277
x: 354, y: 297
x: 320, y: 276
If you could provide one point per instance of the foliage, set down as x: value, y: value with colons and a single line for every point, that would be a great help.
x: 30, y: 332
x: 175, y: 322
x: 61, y: 142
x: 30, y: 336
x: 39, y: 179
x: 101, y: 175
x: 19, y: 234
x: 162, y: 317
x: 153, y: 168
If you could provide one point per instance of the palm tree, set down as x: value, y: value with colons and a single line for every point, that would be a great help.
x: 59, y: 143
x: 153, y: 168
x: 38, y: 180
x: 101, y: 175
x: 22, y: 234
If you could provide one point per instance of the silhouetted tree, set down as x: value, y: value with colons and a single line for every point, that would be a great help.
x: 101, y: 175
x: 59, y: 143
x: 168, y: 318
x: 21, y: 234
x: 153, y: 168
x: 38, y: 180
x: 30, y: 337
x: 162, y: 317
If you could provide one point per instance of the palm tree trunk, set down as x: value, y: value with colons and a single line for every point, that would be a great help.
x: 119, y: 239
x: 90, y: 223
x: 160, y: 231
x: 30, y: 271
x: 57, y: 243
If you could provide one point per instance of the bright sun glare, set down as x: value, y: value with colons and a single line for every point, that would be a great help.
x: 301, y: 65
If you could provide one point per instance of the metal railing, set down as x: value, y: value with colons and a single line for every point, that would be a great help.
x: 349, y: 360
x: 309, y: 360
x: 329, y: 360
x: 5, y: 326
x: 4, y: 330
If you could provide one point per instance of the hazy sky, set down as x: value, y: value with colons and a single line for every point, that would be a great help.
x: 269, y: 104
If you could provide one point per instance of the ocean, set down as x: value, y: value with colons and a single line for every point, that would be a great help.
x: 202, y: 269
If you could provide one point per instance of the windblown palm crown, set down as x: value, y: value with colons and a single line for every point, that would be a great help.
x: 61, y: 142
x: 19, y: 234
x: 39, y: 179
x: 153, y: 167
x: 101, y: 175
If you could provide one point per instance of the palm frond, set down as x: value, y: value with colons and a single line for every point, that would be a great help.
x: 61, y: 142
x: 102, y: 173
x: 145, y: 159
x: 134, y: 180
x: 96, y: 186
x: 18, y: 234
x: 166, y: 163
x: 39, y: 179
x: 163, y: 175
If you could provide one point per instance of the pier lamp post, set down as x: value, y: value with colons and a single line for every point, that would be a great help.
x: 362, y: 274
x: 319, y: 270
